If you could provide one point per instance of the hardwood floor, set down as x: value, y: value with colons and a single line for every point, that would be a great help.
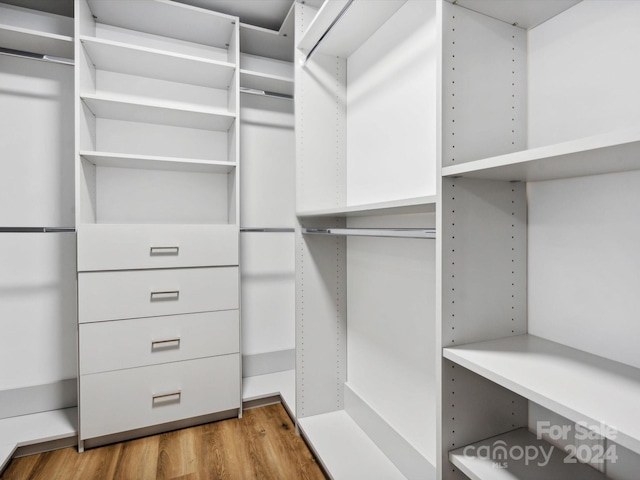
x: 261, y: 445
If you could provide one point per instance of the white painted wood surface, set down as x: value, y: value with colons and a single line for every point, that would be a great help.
x: 123, y: 160
x: 573, y: 383
x: 403, y: 206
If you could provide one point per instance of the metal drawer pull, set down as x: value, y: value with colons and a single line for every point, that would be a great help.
x: 161, y: 344
x: 166, y: 295
x: 174, y: 250
x: 173, y: 397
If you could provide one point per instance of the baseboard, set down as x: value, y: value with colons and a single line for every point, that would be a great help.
x: 268, y: 362
x: 38, y: 398
x: 404, y: 456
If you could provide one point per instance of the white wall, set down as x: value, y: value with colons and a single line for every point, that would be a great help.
x: 391, y: 104
x: 37, y: 274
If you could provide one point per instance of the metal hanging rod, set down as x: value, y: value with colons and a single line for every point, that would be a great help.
x: 37, y: 230
x: 264, y: 93
x: 333, y: 24
x: 267, y: 230
x: 375, y: 232
x: 35, y: 56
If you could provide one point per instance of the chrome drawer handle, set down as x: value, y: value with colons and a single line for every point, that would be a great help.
x: 165, y: 295
x: 172, y: 250
x: 169, y: 343
x: 173, y: 397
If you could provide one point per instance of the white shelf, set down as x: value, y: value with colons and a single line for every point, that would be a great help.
x: 168, y: 19
x: 359, y: 21
x: 345, y: 450
x: 122, y: 108
x: 266, y: 82
x: 35, y: 41
x: 608, y: 153
x: 485, y: 467
x: 268, y: 43
x: 122, y: 160
x: 268, y: 385
x: 570, y: 382
x: 149, y: 62
x: 394, y: 207
x: 36, y: 428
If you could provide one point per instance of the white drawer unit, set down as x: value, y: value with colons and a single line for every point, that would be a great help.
x: 135, y: 398
x: 149, y: 293
x: 120, y: 344
x: 127, y: 247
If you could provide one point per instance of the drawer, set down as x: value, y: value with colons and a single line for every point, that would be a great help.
x: 138, y: 342
x: 150, y: 293
x: 122, y: 400
x: 125, y: 247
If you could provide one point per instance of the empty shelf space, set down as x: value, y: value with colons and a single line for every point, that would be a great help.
x: 499, y: 458
x: 340, y: 27
x: 374, y: 232
x: 149, y: 62
x: 35, y: 41
x: 575, y: 384
x: 270, y: 384
x: 123, y: 108
x: 266, y: 82
x: 345, y: 450
x: 121, y: 160
x: 394, y: 207
x: 188, y: 23
x: 608, y: 153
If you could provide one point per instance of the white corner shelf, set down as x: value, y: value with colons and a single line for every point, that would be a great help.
x: 575, y: 384
x: 266, y: 82
x: 123, y: 108
x: 425, y: 204
x: 269, y: 385
x: 359, y: 21
x: 608, y: 153
x: 149, y: 62
x: 123, y: 160
x: 483, y: 467
x: 345, y: 450
x: 168, y: 19
x: 36, y: 428
x: 36, y: 41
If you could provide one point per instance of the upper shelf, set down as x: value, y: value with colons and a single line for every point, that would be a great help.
x: 117, y: 108
x: 36, y: 32
x: 575, y: 384
x: 149, y: 62
x: 347, y: 24
x: 266, y: 82
x: 122, y: 160
x: 168, y: 19
x: 608, y: 153
x: 394, y: 207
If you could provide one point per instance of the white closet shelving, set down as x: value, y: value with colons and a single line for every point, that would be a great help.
x: 516, y: 167
x: 364, y: 171
x: 157, y: 212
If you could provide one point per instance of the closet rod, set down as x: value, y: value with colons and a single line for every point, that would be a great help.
x: 268, y: 230
x: 35, y: 56
x: 264, y: 93
x: 333, y: 24
x: 375, y: 232
x: 37, y: 230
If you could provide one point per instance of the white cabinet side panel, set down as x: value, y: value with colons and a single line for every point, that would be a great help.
x: 391, y: 331
x: 267, y: 156
x: 582, y: 77
x: 268, y: 292
x: 483, y: 86
x: 391, y: 97
x: 584, y: 264
x: 37, y: 309
x: 36, y: 172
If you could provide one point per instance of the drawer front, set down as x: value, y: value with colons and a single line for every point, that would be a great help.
x: 151, y: 293
x: 138, y: 342
x: 124, y: 400
x: 125, y: 247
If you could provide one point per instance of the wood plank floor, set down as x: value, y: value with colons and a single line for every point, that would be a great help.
x: 261, y: 445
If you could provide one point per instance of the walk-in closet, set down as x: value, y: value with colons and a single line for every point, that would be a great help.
x: 408, y: 225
